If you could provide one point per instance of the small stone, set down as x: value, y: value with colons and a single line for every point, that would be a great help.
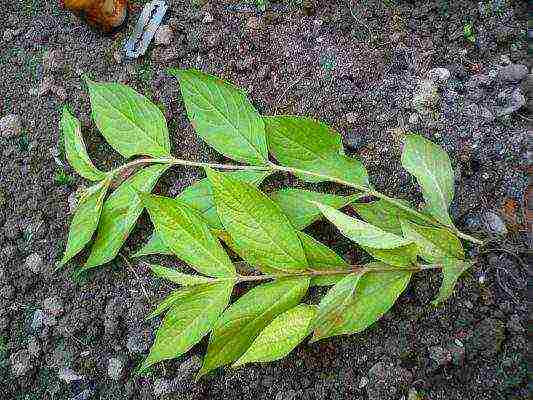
x: 10, y: 34
x: 363, y: 382
x: 167, y: 54
x: 34, y: 262
x: 7, y: 292
x: 68, y: 375
x: 34, y: 347
x: 115, y: 368
x: 505, y: 60
x: 21, y: 363
x: 439, y: 75
x: 440, y: 356
x: 426, y: 97
x: 53, y: 61
x: 493, y: 224
x: 512, y: 73
x: 208, y: 18
x: 10, y: 126
x: 163, y: 35
x: 53, y: 306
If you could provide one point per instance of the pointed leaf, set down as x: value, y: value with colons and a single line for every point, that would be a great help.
x: 180, y: 278
x: 184, y: 231
x: 300, y: 211
x: 242, y: 322
x: 154, y: 246
x: 322, y: 258
x: 75, y: 150
x: 384, y: 215
x: 223, y: 116
x: 403, y: 256
x: 452, y: 269
x: 357, y: 301
x: 169, y: 301
x: 304, y: 143
x: 259, y: 229
x: 120, y: 213
x: 130, y: 122
x: 433, y: 170
x: 360, y: 232
x: 433, y: 244
x: 85, y: 220
x: 188, y: 320
x: 281, y: 336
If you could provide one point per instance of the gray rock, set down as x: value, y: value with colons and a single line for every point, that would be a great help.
x: 510, y: 100
x: 34, y: 347
x: 440, y: 356
x: 163, y: 35
x: 385, y: 381
x: 53, y: 61
x: 440, y: 76
x: 7, y: 292
x: 138, y: 341
x: 10, y: 126
x: 512, y: 73
x: 34, y: 262
x: 21, y: 363
x: 493, y: 224
x: 53, y: 306
x: 115, y: 368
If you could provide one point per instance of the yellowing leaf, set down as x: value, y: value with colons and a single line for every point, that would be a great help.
x: 403, y: 256
x: 242, y: 322
x: 188, y: 320
x: 223, y: 116
x: 360, y: 232
x: 130, y: 122
x: 281, y: 336
x: 180, y: 278
x: 452, y: 269
x: 433, y: 244
x: 357, y: 301
x: 85, y: 220
x: 261, y: 233
x: 120, y: 213
x: 433, y: 170
x: 307, y: 144
x: 75, y: 150
x: 182, y: 230
x: 296, y: 204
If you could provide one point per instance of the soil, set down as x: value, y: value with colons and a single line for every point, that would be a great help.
x: 357, y: 67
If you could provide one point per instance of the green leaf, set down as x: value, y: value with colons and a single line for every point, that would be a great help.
x: 433, y: 170
x: 183, y: 230
x: 296, y: 205
x: 281, y: 336
x: 322, y: 258
x: 259, y: 229
x: 180, y: 278
x: 242, y: 322
x: 154, y: 246
x: 120, y: 213
x: 307, y: 144
x: 200, y: 194
x: 362, y: 233
x: 433, y: 244
x: 75, y: 150
x: 85, y: 220
x: 385, y: 215
x: 452, y: 269
x: 223, y: 116
x: 169, y: 301
x: 188, y: 320
x: 403, y: 256
x: 357, y: 301
x: 130, y: 122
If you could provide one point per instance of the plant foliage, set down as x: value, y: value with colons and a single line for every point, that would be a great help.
x: 264, y: 230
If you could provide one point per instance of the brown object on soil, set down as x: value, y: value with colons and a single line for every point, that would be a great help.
x: 106, y: 15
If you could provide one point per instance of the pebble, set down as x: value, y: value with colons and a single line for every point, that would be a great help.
x: 163, y: 35
x: 115, y: 368
x: 10, y: 126
x: 53, y: 306
x: 426, y: 97
x: 10, y: 34
x: 21, y: 363
x: 493, y: 224
x: 34, y: 262
x: 439, y: 75
x: 363, y: 382
x: 505, y: 60
x: 512, y: 73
